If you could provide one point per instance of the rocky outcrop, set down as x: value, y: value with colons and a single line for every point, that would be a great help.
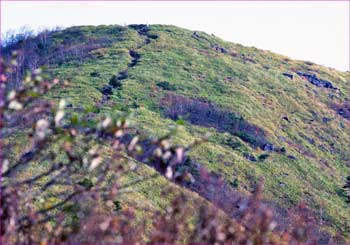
x: 312, y: 78
x: 143, y: 31
x: 268, y: 147
x: 290, y: 76
x: 292, y: 157
x: 220, y: 49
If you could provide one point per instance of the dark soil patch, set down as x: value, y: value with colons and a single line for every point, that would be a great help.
x: 206, y: 114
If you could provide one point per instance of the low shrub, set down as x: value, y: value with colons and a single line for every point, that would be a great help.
x: 234, y: 183
x: 94, y: 74
x: 234, y: 144
x: 263, y: 157
x: 166, y: 86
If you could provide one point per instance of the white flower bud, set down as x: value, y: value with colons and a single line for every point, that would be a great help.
x: 95, y: 162
x: 104, y: 226
x: 62, y: 104
x: 106, y: 122
x: 169, y: 172
x: 15, y: 105
x: 11, y: 95
x: 5, y: 165
x: 41, y: 128
x: 59, y: 116
x: 180, y: 152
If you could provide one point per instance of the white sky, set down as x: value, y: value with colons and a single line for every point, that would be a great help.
x: 313, y: 31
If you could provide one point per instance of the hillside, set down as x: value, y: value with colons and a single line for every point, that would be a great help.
x: 267, y: 116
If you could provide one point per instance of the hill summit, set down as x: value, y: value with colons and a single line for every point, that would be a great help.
x: 267, y: 116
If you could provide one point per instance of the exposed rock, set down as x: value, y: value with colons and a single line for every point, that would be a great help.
x: 107, y: 90
x: 250, y: 156
x: 281, y: 150
x: 285, y: 118
x: 288, y: 75
x: 292, y: 157
x: 134, y: 54
x: 281, y: 184
x: 312, y: 78
x: 220, y: 49
x: 268, y: 147
x: 195, y: 35
x: 122, y: 75
x: 141, y: 29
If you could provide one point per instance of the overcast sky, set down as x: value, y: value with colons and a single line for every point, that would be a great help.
x: 313, y: 31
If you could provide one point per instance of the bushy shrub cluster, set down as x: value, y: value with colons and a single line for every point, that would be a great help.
x: 209, y: 115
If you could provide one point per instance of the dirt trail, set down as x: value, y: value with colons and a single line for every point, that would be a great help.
x: 115, y: 82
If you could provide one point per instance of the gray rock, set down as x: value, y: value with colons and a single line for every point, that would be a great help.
x: 268, y: 147
x: 292, y: 157
x: 282, y: 184
x: 122, y: 75
x: 285, y: 118
x: 249, y: 156
x: 313, y: 79
x: 220, y: 49
x: 107, y: 90
x: 290, y: 76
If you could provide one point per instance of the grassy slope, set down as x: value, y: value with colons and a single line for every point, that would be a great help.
x: 256, y: 89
